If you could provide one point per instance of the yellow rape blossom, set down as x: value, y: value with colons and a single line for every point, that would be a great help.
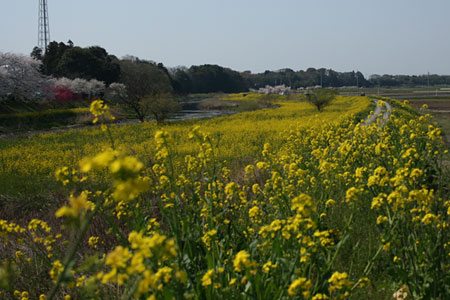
x: 338, y: 281
x: 78, y: 206
x: 207, y: 278
x: 241, y: 261
x: 302, y: 285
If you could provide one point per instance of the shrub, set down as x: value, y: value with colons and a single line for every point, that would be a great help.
x: 321, y: 98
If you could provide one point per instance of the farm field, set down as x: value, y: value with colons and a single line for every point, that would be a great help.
x: 400, y: 92
x: 439, y: 108
x: 280, y: 203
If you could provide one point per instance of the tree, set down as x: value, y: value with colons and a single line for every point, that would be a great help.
x: 116, y: 93
x: 36, y: 53
x: 145, y: 89
x: 87, y: 88
x: 62, y: 93
x: 20, y: 77
x: 61, y: 60
x: 160, y: 106
x: 182, y: 83
x: 95, y: 88
x: 88, y: 63
x: 321, y: 97
x: 214, y: 78
x: 52, y: 57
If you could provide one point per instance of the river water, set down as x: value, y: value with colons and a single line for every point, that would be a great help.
x: 189, y: 111
x: 198, y: 114
x: 192, y: 110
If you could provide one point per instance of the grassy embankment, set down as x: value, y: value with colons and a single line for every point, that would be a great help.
x: 324, y: 210
x: 28, y: 164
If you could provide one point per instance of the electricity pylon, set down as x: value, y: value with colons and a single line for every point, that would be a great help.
x: 43, y: 27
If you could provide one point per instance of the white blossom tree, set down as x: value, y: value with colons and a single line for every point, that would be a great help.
x: 91, y: 88
x: 79, y: 86
x: 278, y: 89
x: 63, y: 81
x: 20, y: 76
x: 95, y: 87
x: 116, y: 93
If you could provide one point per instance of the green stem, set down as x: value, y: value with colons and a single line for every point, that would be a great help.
x: 341, y: 242
x: 110, y: 137
x: 72, y: 251
x: 370, y: 263
x: 119, y: 233
x: 129, y: 294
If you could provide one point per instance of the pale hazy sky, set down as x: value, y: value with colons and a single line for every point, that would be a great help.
x: 376, y: 36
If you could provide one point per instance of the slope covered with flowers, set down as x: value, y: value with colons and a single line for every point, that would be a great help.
x: 238, y: 138
x: 321, y: 216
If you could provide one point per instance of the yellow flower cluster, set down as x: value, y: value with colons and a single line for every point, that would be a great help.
x: 242, y: 261
x: 100, y: 110
x: 300, y: 284
x: 78, y: 206
x: 125, y: 170
x: 338, y: 281
x: 145, y: 258
x: 207, y: 238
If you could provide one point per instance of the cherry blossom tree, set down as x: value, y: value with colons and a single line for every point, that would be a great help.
x: 20, y: 77
x: 91, y: 88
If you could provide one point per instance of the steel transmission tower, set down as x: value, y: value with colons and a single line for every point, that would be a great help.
x: 43, y: 27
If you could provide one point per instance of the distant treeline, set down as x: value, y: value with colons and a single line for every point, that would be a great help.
x: 67, y: 60
x: 409, y: 80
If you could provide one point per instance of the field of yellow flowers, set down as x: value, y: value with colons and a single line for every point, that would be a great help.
x: 27, y: 165
x: 323, y: 208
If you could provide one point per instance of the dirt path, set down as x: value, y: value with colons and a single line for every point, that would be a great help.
x: 385, y: 109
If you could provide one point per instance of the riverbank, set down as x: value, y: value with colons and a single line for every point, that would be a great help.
x: 56, y: 120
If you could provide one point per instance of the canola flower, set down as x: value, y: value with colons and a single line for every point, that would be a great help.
x: 241, y: 261
x: 100, y: 110
x: 338, y: 281
x: 300, y: 284
x: 78, y: 206
x: 192, y: 229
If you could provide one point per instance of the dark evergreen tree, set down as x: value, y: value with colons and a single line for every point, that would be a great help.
x: 36, y: 53
x: 88, y: 63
